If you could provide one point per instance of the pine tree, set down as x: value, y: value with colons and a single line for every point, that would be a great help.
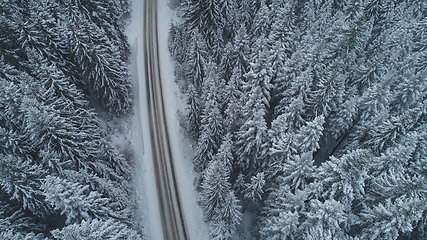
x: 97, y: 229
x: 261, y: 23
x: 217, y: 46
x: 248, y: 10
x: 251, y: 141
x: 225, y: 152
x: 221, y: 206
x: 292, y: 83
x: 284, y: 203
x: 211, y: 125
x: 74, y: 201
x: 178, y: 42
x: 254, y: 189
x: 251, y: 137
x: 219, y: 231
x: 228, y: 217
x: 231, y: 14
x: 194, y: 112
x: 326, y: 221
x: 282, y: 27
x: 258, y: 79
x: 230, y: 212
x: 215, y: 188
x: 100, y: 64
x: 10, y: 235
x: 299, y: 170
x: 110, y: 16
x: 196, y: 60
x: 14, y: 218
x: 344, y: 117
x: 292, y: 118
x: 282, y: 149
x: 205, y: 16
x: 241, y: 47
x: 344, y: 179
x: 22, y: 181
x: 234, y: 101
x: 309, y: 135
x: 282, y: 226
x: 329, y: 91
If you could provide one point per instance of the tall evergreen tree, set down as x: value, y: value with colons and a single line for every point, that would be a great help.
x: 206, y: 16
x: 211, y: 123
x: 215, y: 188
x: 196, y: 60
x: 194, y: 112
x: 251, y: 141
x: 97, y: 230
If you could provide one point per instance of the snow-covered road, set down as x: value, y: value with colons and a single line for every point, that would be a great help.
x: 144, y: 180
x: 152, y: 207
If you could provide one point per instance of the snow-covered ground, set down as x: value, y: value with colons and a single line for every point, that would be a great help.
x: 181, y: 147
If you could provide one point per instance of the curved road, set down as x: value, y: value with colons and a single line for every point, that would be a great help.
x: 171, y: 213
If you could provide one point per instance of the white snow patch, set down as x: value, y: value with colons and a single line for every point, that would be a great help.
x: 181, y: 146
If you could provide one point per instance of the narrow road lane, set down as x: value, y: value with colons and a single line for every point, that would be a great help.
x: 172, y: 217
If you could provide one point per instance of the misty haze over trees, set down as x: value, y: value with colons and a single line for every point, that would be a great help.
x: 309, y: 116
x: 64, y: 70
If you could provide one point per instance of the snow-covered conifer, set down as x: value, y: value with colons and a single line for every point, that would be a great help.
x: 309, y: 135
x: 196, y: 60
x: 211, y: 125
x: 75, y: 201
x: 215, y: 188
x: 194, y: 112
x: 255, y: 188
x: 97, y: 229
x: 251, y: 144
x: 21, y: 181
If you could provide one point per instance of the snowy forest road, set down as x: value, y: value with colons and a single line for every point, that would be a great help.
x: 171, y: 213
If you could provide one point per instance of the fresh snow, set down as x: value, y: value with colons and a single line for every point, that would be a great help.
x: 181, y: 147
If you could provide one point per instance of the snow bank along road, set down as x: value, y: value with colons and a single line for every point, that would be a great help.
x: 171, y: 214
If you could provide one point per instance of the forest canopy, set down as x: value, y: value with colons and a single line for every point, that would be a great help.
x: 63, y: 64
x: 309, y: 116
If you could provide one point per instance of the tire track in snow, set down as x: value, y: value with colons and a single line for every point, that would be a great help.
x: 171, y: 213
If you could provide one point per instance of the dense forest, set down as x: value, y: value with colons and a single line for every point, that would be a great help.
x: 63, y: 72
x: 309, y: 116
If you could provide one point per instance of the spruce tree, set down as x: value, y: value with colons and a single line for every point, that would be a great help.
x: 211, y: 123
x: 215, y: 188
x: 97, y: 230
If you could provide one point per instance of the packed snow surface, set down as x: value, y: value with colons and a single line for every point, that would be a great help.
x: 145, y: 184
x: 181, y: 147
